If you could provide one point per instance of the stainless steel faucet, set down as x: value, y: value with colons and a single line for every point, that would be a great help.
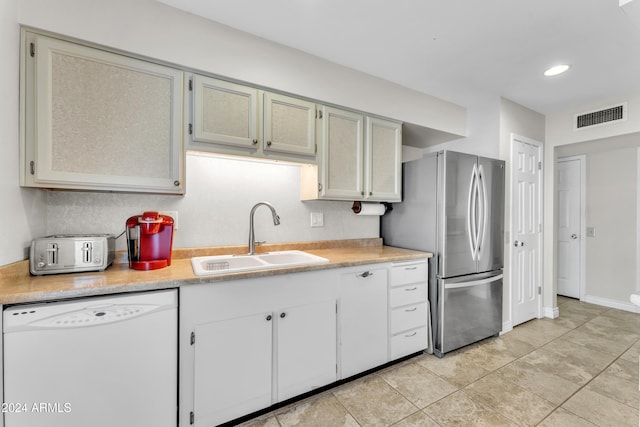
x: 252, y: 237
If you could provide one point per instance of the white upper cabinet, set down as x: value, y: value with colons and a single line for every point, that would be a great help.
x: 224, y: 113
x: 289, y: 125
x: 360, y: 158
x: 230, y: 118
x: 341, y: 174
x: 96, y: 120
x: 383, y: 157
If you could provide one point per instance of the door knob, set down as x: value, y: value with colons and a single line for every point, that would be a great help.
x: 518, y: 243
x: 574, y: 236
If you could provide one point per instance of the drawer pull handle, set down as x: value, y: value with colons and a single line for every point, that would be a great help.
x: 411, y: 289
x: 411, y: 335
x: 411, y: 268
x: 411, y: 309
x: 366, y: 274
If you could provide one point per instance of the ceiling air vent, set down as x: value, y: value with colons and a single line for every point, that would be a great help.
x: 601, y: 117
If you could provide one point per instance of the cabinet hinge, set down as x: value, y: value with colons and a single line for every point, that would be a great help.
x: 32, y: 49
x: 190, y: 129
x: 539, y: 290
x: 539, y: 166
x: 190, y: 85
x: 193, y: 338
x: 316, y: 149
x: 32, y: 167
x: 318, y: 114
x: 191, y: 418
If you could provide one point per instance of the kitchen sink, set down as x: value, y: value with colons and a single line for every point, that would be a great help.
x: 218, y: 264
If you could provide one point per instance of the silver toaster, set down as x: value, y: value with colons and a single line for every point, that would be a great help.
x: 71, y: 253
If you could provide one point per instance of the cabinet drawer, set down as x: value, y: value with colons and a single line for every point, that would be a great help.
x: 408, y: 294
x: 410, y: 317
x: 409, y: 342
x: 408, y: 273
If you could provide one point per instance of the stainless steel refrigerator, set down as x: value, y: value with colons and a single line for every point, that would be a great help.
x: 453, y: 206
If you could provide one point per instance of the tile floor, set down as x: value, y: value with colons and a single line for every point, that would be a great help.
x: 580, y: 369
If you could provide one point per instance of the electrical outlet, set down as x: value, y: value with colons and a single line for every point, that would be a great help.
x: 172, y: 214
x: 317, y: 219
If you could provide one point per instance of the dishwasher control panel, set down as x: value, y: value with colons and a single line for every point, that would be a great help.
x: 84, y: 312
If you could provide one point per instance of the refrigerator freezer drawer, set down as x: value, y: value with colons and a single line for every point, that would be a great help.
x: 468, y: 309
x: 408, y: 294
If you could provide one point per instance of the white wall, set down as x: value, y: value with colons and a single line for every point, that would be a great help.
x: 560, y: 126
x: 215, y: 210
x: 23, y: 211
x: 483, y: 130
x: 611, y: 209
x: 601, y: 142
x: 612, y: 198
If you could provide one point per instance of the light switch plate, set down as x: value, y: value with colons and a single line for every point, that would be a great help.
x: 317, y: 219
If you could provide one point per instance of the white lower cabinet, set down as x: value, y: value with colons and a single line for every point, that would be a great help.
x: 408, y: 323
x: 247, y: 363
x: 232, y: 368
x: 246, y: 344
x: 408, y: 342
x: 306, y: 348
x: 363, y: 320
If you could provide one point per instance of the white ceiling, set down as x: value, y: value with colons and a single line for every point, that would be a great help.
x: 459, y: 50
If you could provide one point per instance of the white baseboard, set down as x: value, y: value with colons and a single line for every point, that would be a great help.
x: 506, y: 327
x: 550, y: 312
x: 620, y: 305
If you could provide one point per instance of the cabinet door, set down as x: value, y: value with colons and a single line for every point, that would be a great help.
x: 98, y: 120
x: 383, y: 160
x: 289, y: 125
x: 342, y: 155
x: 232, y: 368
x: 306, y: 348
x: 363, y: 321
x: 224, y: 112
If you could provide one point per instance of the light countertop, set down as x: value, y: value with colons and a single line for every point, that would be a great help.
x: 17, y: 285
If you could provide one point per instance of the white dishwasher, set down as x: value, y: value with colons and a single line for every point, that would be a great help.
x: 100, y: 362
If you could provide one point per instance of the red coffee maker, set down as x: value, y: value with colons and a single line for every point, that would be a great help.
x: 149, y: 241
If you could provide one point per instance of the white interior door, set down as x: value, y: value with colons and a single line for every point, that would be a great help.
x: 526, y: 228
x: 569, y: 225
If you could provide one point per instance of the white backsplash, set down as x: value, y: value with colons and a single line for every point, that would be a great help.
x: 215, y: 210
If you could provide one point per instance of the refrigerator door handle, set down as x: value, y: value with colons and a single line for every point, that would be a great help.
x: 473, y: 282
x: 471, y: 217
x: 483, y: 211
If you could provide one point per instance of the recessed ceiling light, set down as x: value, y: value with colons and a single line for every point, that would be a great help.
x: 558, y: 69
